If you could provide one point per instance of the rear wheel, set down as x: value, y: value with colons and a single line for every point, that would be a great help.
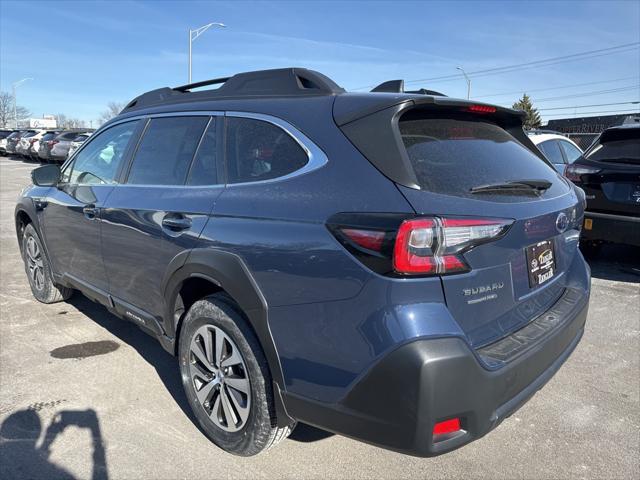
x: 226, y: 378
x: 38, y: 270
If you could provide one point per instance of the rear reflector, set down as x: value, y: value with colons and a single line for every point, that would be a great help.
x: 481, y: 109
x: 448, y: 426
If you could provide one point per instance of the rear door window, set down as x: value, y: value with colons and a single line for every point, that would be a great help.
x: 570, y: 151
x: 205, y: 167
x: 551, y: 150
x: 451, y: 155
x: 166, y: 150
x: 258, y: 150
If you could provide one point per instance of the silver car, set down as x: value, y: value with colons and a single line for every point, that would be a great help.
x: 61, y: 144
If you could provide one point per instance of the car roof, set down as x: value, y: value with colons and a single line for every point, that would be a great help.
x: 265, y: 91
x: 543, y: 137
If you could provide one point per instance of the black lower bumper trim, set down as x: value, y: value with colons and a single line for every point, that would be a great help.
x: 397, y: 403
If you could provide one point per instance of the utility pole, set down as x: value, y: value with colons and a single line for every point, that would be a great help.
x: 193, y: 34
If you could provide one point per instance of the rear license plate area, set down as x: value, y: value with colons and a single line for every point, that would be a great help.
x: 541, y: 263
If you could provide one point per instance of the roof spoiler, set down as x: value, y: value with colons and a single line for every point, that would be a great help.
x: 397, y: 86
x: 277, y: 82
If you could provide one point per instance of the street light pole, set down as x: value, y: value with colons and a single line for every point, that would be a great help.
x: 15, y: 110
x: 466, y: 77
x: 193, y: 34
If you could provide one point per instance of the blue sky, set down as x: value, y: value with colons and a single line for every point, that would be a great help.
x: 83, y: 55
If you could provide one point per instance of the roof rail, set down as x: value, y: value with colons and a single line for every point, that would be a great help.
x: 276, y: 82
x: 397, y: 86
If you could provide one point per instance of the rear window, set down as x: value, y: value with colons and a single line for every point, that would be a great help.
x: 81, y: 138
x: 67, y: 136
x: 48, y: 136
x: 622, y: 151
x: 451, y: 156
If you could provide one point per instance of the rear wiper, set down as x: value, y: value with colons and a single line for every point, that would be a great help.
x: 537, y: 186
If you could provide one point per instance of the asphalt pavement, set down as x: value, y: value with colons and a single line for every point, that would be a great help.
x: 84, y: 394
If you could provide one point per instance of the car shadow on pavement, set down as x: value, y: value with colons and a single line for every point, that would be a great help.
x: 22, y: 457
x: 619, y: 263
x: 165, y: 364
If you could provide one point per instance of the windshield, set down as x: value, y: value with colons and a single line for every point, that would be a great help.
x: 451, y: 156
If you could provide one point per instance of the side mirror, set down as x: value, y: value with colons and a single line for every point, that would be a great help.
x: 46, y: 176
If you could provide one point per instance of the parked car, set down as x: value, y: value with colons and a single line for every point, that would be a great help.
x: 405, y: 272
x: 609, y: 173
x: 14, y: 139
x: 77, y: 142
x: 559, y: 150
x: 46, y: 144
x: 60, y: 145
x: 3, y: 139
x: 29, y: 143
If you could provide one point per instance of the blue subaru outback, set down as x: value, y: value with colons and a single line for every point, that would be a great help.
x: 398, y: 267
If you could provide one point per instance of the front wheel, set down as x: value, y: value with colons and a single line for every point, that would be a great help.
x: 38, y: 270
x: 226, y: 378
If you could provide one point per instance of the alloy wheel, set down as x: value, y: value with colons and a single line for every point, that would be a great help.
x: 220, y: 378
x: 35, y: 263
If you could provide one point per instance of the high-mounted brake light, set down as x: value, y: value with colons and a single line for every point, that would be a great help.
x: 481, y: 109
x: 434, y: 246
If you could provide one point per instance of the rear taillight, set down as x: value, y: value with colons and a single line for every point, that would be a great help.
x: 396, y: 245
x: 368, y: 239
x: 434, y: 246
x: 574, y: 171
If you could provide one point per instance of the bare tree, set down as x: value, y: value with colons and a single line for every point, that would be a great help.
x: 113, y: 109
x: 6, y: 110
x: 68, y: 122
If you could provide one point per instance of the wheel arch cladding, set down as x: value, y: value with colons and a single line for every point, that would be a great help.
x: 228, y: 273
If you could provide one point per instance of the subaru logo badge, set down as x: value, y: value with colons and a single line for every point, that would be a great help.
x: 562, y: 222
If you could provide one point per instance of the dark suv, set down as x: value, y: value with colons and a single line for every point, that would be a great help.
x: 609, y: 173
x: 400, y: 268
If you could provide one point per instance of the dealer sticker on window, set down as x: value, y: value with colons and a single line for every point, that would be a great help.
x: 541, y: 263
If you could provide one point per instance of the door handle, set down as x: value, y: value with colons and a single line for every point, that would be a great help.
x: 176, y: 223
x: 90, y: 211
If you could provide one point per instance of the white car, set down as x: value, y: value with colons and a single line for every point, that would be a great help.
x: 79, y: 140
x: 559, y: 150
x: 30, y: 138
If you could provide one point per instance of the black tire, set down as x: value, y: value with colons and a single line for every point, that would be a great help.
x: 259, y: 431
x: 590, y: 248
x: 41, y: 282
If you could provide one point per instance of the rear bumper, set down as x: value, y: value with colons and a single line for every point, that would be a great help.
x: 396, y: 404
x: 612, y: 228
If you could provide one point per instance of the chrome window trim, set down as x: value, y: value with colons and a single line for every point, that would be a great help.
x: 316, y: 157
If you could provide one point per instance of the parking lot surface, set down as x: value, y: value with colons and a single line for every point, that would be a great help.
x: 84, y: 394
